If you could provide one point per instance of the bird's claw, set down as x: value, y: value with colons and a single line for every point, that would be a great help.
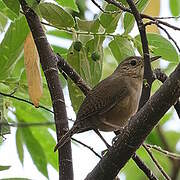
x: 115, y: 139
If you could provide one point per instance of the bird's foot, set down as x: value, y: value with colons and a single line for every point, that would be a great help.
x: 104, y: 152
x: 115, y: 139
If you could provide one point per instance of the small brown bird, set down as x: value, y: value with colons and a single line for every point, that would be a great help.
x: 111, y: 103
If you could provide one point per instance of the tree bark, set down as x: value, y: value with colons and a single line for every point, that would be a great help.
x: 48, y: 62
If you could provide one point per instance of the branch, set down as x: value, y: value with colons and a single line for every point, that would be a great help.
x: 143, y: 167
x: 156, y: 163
x: 48, y: 62
x: 169, y: 36
x: 167, y: 153
x: 120, y: 6
x: 148, y: 75
x: 24, y: 100
x: 161, y: 76
x: 90, y: 148
x: 75, y: 77
x: 137, y: 129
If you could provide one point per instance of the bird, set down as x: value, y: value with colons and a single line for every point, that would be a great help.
x: 112, y: 102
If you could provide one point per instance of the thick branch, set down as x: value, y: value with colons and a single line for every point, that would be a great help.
x: 137, y: 129
x: 48, y: 62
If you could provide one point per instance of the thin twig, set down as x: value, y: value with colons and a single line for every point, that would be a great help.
x: 26, y: 124
x: 101, y: 9
x: 156, y: 163
x: 169, y: 17
x: 76, y: 78
x: 167, y: 153
x: 161, y: 76
x: 87, y: 33
x: 29, y: 124
x: 26, y: 101
x: 169, y: 36
x: 90, y: 148
x: 119, y: 5
x: 143, y: 167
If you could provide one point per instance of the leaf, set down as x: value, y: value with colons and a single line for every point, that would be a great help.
x: 129, y: 18
x: 159, y: 46
x: 2, y: 168
x: 47, y: 142
x: 94, y: 45
x: 153, y: 138
x: 36, y: 151
x: 13, y: 5
x: 4, y: 129
x: 88, y: 69
x: 56, y: 15
x: 19, y: 145
x: 3, y: 22
x: 69, y: 4
x: 174, y: 7
x: 15, y: 179
x: 33, y: 73
x: 89, y: 26
x: 12, y: 45
x: 7, y: 12
x: 110, y: 21
x: 59, y: 33
x: 121, y: 48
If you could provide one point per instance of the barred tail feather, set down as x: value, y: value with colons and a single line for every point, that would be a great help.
x: 66, y: 138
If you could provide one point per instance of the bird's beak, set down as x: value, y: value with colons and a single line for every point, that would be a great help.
x: 154, y: 58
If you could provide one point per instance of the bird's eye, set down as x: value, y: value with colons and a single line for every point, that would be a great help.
x: 133, y: 62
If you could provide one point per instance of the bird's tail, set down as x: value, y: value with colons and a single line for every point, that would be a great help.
x: 66, y: 137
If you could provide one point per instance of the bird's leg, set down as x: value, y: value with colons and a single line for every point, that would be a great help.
x: 99, y: 134
x: 117, y: 133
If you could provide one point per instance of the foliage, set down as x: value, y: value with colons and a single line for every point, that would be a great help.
x: 99, y: 49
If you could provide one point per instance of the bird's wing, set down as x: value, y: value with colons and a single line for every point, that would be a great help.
x: 102, y: 98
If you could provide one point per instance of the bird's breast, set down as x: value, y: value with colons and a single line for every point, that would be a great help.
x: 118, y: 116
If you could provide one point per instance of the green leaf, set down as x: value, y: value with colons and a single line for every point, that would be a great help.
x: 88, y: 69
x: 172, y: 138
x: 59, y: 33
x: 36, y: 151
x: 129, y: 18
x: 89, y: 26
x: 175, y: 7
x: 56, y: 15
x: 166, y: 117
x: 136, y: 174
x: 2, y: 168
x: 12, y: 46
x: 153, y: 138
x: 4, y: 129
x: 94, y: 45
x: 48, y: 143
x: 3, y: 21
x: 7, y: 12
x: 13, y: 5
x: 15, y: 179
x: 110, y: 21
x: 19, y: 145
x: 69, y: 4
x: 121, y: 48
x: 159, y: 46
x: 29, y: 114
x: 75, y: 95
